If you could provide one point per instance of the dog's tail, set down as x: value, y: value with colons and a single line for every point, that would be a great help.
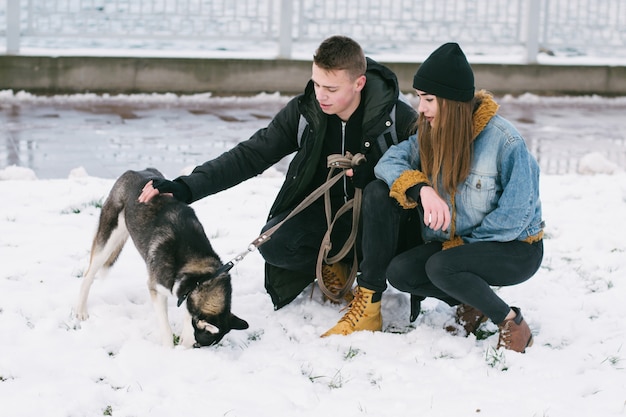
x: 112, y: 233
x: 106, y: 247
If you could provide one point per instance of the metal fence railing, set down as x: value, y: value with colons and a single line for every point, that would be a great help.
x: 508, y: 28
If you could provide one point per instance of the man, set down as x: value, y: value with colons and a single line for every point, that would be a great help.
x: 351, y: 104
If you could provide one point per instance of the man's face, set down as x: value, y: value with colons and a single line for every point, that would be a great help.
x: 336, y: 92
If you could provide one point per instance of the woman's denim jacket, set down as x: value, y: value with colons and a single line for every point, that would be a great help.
x: 499, y: 200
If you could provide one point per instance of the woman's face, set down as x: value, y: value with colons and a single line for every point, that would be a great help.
x: 427, y: 106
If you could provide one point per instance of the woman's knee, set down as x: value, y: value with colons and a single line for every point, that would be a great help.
x: 437, y: 269
x: 397, y: 277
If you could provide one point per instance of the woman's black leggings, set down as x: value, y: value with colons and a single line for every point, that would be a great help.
x: 463, y: 274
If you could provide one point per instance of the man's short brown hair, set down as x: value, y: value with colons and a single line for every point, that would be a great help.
x: 341, y: 53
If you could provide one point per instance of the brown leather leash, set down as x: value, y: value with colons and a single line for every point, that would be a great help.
x: 340, y: 162
x: 334, y: 162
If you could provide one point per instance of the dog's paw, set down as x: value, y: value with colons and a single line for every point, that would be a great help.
x: 187, y: 338
x: 81, y: 314
x: 186, y: 342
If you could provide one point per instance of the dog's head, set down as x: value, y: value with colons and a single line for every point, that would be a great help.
x: 209, y: 331
x: 208, y: 304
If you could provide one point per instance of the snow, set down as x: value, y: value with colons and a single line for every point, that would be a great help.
x: 302, y: 52
x: 112, y: 364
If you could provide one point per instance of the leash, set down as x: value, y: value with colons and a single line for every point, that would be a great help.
x: 340, y: 162
x: 334, y: 162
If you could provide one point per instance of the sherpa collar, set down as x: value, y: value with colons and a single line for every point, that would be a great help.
x: 485, y: 110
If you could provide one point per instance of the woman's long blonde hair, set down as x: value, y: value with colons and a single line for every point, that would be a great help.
x: 445, y: 149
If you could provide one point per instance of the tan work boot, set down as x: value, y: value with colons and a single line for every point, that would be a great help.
x: 335, y: 277
x: 515, y: 333
x: 363, y: 314
x: 467, y: 317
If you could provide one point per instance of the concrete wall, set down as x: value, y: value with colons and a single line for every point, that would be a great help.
x: 65, y: 75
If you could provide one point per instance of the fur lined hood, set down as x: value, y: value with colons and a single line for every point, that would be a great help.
x: 486, y: 108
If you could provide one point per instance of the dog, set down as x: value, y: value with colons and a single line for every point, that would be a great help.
x: 178, y: 256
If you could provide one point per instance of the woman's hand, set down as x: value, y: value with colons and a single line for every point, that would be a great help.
x: 436, y: 211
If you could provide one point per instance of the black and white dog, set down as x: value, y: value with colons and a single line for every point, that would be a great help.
x: 178, y: 256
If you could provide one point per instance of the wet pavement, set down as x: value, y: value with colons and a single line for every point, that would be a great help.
x: 108, y: 135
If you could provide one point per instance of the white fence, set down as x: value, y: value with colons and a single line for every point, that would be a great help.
x: 519, y: 28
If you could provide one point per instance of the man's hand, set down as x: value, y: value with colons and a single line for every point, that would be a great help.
x: 179, y: 190
x: 147, y: 193
x: 361, y: 174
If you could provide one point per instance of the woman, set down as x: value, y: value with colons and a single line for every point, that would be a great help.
x: 471, y: 177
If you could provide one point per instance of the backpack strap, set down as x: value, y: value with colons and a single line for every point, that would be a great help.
x: 302, y: 125
x: 389, y: 136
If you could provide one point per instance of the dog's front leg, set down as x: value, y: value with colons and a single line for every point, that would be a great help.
x: 159, y: 301
x: 187, y: 338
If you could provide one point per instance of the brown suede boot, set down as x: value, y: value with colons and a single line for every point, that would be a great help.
x: 363, y: 314
x: 335, y: 277
x: 467, y: 317
x: 515, y: 333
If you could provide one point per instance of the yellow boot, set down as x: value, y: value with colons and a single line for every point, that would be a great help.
x: 335, y: 277
x: 363, y: 314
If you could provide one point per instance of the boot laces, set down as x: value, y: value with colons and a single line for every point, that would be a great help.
x: 332, y: 281
x: 356, y: 308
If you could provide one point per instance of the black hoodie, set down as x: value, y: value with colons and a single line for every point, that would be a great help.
x: 280, y: 138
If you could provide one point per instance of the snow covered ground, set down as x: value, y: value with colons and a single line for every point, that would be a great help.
x: 113, y: 364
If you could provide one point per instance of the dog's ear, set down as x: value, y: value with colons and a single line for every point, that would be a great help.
x: 236, y: 323
x: 181, y: 299
x: 186, y: 284
x: 206, y: 326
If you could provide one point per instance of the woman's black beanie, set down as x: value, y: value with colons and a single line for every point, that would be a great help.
x: 446, y: 73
